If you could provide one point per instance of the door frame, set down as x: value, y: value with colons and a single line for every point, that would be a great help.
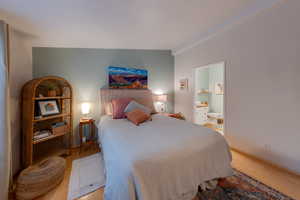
x: 224, y: 96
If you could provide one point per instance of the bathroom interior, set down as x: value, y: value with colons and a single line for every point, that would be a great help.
x: 209, y: 96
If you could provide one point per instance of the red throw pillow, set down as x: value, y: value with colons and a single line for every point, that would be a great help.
x: 118, y: 107
x: 137, y: 116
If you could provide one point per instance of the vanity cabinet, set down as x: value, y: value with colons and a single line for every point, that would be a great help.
x: 201, y: 115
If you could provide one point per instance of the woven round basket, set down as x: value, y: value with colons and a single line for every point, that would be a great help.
x: 38, y: 179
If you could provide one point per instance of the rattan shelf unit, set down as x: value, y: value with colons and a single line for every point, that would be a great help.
x: 34, y: 91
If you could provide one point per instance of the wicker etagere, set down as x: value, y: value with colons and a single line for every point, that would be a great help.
x: 56, y: 144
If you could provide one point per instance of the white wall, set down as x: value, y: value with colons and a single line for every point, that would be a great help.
x: 20, y: 73
x: 263, y: 86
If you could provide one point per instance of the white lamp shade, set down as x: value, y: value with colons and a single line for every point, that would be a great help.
x: 85, y: 108
x: 160, y: 97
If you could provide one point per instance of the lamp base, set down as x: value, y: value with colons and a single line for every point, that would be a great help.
x: 161, y: 107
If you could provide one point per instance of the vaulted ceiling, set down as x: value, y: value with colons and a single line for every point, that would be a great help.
x: 129, y: 24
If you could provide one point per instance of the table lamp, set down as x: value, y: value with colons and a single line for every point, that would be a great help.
x: 161, y: 100
x: 85, y: 110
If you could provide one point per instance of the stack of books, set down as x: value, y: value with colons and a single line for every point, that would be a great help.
x: 41, y: 134
x: 58, y: 124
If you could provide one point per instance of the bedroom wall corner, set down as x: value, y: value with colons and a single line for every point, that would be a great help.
x: 20, y: 73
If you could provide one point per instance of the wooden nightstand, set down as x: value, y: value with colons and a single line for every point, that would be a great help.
x: 88, y: 141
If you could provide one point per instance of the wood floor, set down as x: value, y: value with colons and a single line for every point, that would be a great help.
x: 61, y: 192
x: 281, y: 180
x: 277, y: 178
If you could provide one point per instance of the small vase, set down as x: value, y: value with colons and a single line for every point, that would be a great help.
x: 51, y: 93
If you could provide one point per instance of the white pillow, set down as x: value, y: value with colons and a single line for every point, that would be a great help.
x: 135, y: 105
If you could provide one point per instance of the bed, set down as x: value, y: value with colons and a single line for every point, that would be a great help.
x: 162, y: 159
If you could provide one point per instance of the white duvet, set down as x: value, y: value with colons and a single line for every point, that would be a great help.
x: 162, y: 159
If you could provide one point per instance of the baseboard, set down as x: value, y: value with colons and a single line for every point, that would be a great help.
x: 275, y: 166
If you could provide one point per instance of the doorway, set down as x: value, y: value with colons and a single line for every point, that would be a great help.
x: 209, y: 96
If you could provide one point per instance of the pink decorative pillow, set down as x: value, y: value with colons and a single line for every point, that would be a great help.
x: 137, y: 116
x: 119, y: 106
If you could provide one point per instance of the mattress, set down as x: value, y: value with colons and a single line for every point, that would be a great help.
x: 162, y: 159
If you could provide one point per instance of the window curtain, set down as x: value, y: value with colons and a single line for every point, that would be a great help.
x: 5, y: 140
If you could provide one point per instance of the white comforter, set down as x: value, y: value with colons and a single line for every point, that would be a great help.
x: 163, y: 159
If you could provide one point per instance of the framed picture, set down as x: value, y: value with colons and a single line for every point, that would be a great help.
x: 183, y: 84
x: 48, y: 107
x: 127, y: 78
x: 219, y: 88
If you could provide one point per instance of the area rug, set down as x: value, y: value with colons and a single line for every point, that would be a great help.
x: 87, y: 175
x: 241, y: 187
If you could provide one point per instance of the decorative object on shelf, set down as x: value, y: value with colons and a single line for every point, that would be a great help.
x: 86, y: 139
x: 46, y: 121
x: 161, y: 102
x: 52, y: 87
x: 66, y: 92
x: 184, y: 84
x: 219, y: 88
x: 85, y: 110
x: 48, y: 107
x: 59, y: 128
x: 220, y: 121
x: 41, y: 178
x: 127, y: 78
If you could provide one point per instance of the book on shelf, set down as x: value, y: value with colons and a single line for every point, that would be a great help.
x: 41, y: 134
x: 58, y: 124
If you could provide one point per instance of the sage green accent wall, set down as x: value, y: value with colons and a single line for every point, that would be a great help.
x: 86, y: 70
x: 202, y: 76
x: 216, y: 75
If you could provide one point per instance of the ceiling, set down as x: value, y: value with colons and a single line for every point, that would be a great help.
x: 124, y: 24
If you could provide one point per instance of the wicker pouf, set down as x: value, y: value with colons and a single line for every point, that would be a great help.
x: 39, y: 179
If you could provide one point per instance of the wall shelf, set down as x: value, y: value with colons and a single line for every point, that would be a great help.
x: 49, y: 138
x: 51, y: 117
x: 203, y: 92
x: 46, y: 98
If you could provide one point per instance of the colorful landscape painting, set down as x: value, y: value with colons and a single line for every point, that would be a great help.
x: 128, y: 78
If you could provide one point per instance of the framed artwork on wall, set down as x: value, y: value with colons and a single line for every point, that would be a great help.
x: 183, y: 84
x: 127, y: 78
x: 219, y: 88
